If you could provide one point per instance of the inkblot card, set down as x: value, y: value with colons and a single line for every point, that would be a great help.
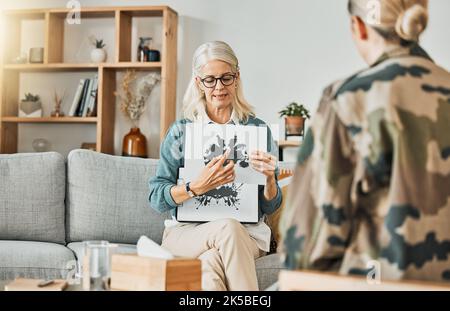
x: 234, y: 200
x: 237, y: 200
x: 207, y: 141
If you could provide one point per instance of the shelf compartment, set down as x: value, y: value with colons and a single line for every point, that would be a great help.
x: 17, y: 26
x: 70, y: 42
x: 132, y: 24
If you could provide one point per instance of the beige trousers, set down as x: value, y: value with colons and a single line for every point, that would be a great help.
x: 225, y: 248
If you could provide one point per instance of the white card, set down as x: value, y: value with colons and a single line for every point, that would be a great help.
x: 206, y: 141
x: 235, y: 200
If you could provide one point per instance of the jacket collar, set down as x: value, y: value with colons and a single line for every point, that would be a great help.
x: 205, y: 119
x: 413, y: 49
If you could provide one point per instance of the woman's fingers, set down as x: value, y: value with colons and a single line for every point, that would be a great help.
x: 212, y: 162
x: 227, y: 168
x: 262, y: 166
x: 262, y: 156
x: 225, y: 179
x: 222, y: 159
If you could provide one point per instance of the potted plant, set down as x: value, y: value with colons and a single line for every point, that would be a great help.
x: 98, y: 55
x: 295, y: 116
x: 30, y: 106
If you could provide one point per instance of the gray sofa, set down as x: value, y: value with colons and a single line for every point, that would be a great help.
x: 49, y: 205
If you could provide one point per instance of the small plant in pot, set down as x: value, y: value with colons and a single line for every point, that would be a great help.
x: 30, y: 106
x: 295, y: 116
x: 98, y: 55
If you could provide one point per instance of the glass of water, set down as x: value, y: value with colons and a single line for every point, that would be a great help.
x: 97, y: 265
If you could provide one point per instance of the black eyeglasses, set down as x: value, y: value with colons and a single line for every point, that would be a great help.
x: 211, y: 81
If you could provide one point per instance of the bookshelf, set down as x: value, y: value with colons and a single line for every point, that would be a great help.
x: 54, y: 21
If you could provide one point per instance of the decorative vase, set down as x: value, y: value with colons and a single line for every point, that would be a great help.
x: 153, y: 56
x: 41, y: 145
x: 98, y: 55
x: 134, y: 144
x: 30, y: 109
x: 294, y: 125
x: 37, y: 55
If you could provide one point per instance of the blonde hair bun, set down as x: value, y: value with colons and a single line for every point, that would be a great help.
x: 412, y: 22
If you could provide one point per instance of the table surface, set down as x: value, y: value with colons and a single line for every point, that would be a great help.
x: 74, y: 287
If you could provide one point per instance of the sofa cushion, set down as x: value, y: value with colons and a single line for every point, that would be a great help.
x: 267, y: 269
x: 32, y: 191
x: 107, y: 198
x: 35, y: 260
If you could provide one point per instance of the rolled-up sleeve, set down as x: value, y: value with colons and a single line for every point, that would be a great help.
x: 266, y: 206
x: 170, y: 161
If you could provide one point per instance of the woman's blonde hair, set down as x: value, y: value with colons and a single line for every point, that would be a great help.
x: 404, y: 19
x: 194, y: 101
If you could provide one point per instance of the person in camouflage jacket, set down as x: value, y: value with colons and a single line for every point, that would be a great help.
x: 372, y: 182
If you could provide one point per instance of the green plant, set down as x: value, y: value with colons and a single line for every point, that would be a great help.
x: 97, y: 43
x: 31, y: 98
x: 295, y: 110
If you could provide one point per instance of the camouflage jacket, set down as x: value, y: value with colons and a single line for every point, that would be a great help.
x: 372, y: 184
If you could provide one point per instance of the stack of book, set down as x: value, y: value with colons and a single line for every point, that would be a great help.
x: 84, y: 103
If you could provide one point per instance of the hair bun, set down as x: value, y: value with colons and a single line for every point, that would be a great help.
x: 412, y: 22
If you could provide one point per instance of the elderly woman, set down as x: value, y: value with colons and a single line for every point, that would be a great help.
x: 227, y: 248
x: 371, y: 194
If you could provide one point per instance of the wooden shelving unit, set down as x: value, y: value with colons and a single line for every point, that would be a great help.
x: 54, y: 20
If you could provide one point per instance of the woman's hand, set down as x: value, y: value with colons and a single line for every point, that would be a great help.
x: 265, y: 163
x: 214, y: 175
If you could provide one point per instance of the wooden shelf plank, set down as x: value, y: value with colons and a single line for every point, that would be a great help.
x: 134, y: 65
x: 51, y: 67
x: 50, y: 120
x: 288, y: 143
x: 80, y: 67
x: 148, y: 11
x: 26, y: 14
x: 93, y: 12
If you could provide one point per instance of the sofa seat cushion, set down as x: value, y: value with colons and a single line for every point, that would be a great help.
x: 32, y: 191
x: 108, y: 198
x: 36, y: 260
x: 267, y: 269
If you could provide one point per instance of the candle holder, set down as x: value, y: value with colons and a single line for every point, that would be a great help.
x: 57, y: 112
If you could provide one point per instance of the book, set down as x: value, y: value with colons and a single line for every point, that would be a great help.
x: 21, y: 284
x: 93, y: 98
x: 76, y: 98
x: 87, y: 98
x: 83, y: 98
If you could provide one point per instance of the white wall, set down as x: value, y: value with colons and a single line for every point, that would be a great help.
x: 288, y: 50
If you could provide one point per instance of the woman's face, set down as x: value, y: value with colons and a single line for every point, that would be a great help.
x: 219, y: 93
